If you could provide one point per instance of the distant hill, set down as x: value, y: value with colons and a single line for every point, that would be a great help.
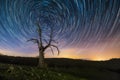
x: 60, y: 62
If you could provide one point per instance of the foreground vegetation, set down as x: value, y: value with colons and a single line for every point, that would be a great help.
x: 15, y: 72
x: 21, y: 68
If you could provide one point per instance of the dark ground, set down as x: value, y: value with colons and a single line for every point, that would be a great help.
x: 82, y: 69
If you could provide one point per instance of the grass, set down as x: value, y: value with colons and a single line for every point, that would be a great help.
x: 58, y: 69
x: 87, y: 73
x: 15, y: 72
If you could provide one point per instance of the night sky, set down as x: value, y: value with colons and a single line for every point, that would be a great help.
x: 85, y: 29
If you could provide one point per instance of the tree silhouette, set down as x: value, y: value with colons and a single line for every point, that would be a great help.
x: 40, y: 43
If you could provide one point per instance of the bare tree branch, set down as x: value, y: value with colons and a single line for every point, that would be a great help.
x: 45, y: 41
x: 56, y: 48
x: 55, y: 41
x: 51, y: 35
x: 34, y: 40
x: 39, y: 33
x: 52, y: 50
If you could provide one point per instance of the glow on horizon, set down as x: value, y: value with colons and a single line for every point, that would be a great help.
x: 73, y: 53
x: 96, y: 53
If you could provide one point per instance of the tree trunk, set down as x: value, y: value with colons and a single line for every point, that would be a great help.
x: 41, y: 63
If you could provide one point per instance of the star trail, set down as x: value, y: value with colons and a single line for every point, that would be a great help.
x: 84, y: 28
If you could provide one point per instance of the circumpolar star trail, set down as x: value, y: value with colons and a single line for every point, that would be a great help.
x: 78, y: 25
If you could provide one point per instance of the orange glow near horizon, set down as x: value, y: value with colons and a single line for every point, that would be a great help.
x: 74, y: 53
x: 88, y: 54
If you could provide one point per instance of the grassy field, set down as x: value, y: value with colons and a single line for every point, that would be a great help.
x: 16, y: 68
x: 15, y: 72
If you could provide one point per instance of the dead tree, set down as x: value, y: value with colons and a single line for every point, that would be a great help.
x: 42, y: 48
